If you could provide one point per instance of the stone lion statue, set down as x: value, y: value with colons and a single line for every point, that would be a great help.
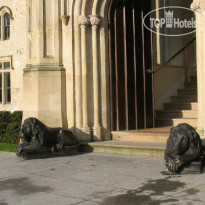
x: 184, y: 146
x: 36, y: 135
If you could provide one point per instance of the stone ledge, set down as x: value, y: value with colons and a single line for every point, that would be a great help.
x: 125, y: 148
x: 44, y: 67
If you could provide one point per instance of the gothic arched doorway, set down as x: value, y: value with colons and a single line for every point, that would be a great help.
x: 130, y: 52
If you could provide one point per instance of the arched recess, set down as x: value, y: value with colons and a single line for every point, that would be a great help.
x: 87, y: 8
x: 130, y: 55
x: 6, y: 16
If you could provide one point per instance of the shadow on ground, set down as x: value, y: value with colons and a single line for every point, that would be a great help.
x: 22, y: 186
x: 144, y: 194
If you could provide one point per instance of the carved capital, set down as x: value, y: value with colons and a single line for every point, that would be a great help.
x: 83, y: 21
x: 65, y: 19
x: 95, y: 20
x: 197, y: 5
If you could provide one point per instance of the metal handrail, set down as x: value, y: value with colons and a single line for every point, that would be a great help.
x: 159, y: 69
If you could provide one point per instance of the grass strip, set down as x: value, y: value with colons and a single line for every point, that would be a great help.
x: 6, y: 147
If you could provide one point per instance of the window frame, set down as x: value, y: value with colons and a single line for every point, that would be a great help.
x: 3, y: 11
x: 3, y: 60
x: 3, y: 26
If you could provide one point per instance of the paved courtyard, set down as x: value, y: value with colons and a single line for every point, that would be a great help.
x: 91, y: 179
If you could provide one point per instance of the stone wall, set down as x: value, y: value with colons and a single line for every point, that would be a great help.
x: 199, y: 6
x: 15, y: 46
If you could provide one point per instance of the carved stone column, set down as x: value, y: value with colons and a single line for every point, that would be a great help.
x: 84, y: 22
x: 95, y: 22
x: 78, y: 78
x: 200, y: 49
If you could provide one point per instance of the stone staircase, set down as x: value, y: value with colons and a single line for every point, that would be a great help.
x: 183, y: 108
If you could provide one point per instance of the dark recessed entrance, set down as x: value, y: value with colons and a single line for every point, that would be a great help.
x: 130, y: 50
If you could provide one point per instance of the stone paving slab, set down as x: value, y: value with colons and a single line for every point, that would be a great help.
x: 90, y: 179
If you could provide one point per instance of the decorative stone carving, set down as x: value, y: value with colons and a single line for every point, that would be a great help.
x: 95, y: 20
x: 65, y: 19
x: 40, y: 140
x: 6, y: 9
x: 83, y: 21
x: 197, y: 5
x: 184, y: 146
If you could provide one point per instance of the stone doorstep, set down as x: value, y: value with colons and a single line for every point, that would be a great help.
x: 141, y: 136
x: 125, y: 148
x: 152, y: 149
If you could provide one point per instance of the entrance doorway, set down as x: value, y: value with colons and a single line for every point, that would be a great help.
x: 130, y: 52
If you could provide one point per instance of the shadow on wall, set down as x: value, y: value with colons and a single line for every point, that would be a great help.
x: 89, y: 137
x: 83, y: 136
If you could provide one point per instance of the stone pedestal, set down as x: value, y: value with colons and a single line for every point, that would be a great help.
x: 44, y: 95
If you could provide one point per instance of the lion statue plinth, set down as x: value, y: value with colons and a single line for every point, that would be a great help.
x: 184, y: 146
x: 36, y: 138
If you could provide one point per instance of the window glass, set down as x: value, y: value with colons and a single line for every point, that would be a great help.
x: 7, y: 65
x: 0, y: 66
x: 6, y: 26
x: 7, y: 88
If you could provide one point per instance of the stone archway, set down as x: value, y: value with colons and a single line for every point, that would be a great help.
x: 87, y: 10
x: 89, y: 71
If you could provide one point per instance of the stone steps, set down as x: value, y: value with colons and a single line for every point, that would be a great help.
x: 174, y: 122
x: 184, y: 98
x: 180, y: 106
x: 169, y: 114
x: 125, y: 148
x: 142, y: 136
x: 183, y: 108
x: 187, y: 91
x: 192, y: 85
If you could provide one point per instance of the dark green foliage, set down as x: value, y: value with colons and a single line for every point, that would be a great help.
x: 16, y: 116
x: 12, y: 133
x: 10, y: 125
x: 3, y: 126
x: 5, y: 116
